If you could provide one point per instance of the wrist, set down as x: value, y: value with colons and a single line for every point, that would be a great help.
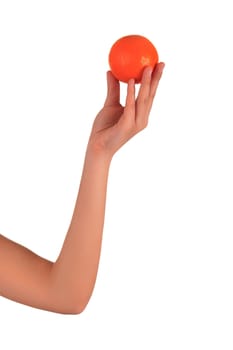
x: 97, y: 153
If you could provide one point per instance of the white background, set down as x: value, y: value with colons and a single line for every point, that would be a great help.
x: 165, y: 275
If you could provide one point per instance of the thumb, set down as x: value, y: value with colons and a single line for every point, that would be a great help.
x: 113, y: 90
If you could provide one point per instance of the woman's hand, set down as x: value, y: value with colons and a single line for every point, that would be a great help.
x: 114, y: 124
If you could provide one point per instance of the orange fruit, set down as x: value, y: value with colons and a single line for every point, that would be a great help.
x: 129, y: 56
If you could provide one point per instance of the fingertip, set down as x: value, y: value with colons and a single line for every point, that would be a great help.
x: 147, y: 73
x: 130, y: 98
x: 112, y: 80
x: 113, y: 89
x: 131, y: 82
x: 158, y: 70
x: 131, y: 86
x: 108, y: 74
x: 111, y: 75
x: 149, y: 70
x: 160, y: 66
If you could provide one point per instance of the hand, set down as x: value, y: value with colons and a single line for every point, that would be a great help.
x: 115, y: 125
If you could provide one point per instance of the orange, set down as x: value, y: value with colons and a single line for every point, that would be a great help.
x: 129, y: 56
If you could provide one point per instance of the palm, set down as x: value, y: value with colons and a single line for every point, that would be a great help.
x: 112, y: 110
x: 108, y: 117
x: 105, y: 127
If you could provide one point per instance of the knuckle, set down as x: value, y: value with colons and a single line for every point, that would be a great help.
x: 141, y: 124
x: 143, y: 101
x: 129, y: 126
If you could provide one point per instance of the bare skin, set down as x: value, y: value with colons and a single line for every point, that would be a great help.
x: 66, y: 285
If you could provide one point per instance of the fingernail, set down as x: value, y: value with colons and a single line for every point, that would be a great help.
x: 147, y: 73
x: 149, y: 70
x: 131, y: 81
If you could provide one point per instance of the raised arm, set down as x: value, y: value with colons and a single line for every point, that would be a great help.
x: 66, y: 285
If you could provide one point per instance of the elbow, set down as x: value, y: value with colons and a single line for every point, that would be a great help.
x: 79, y: 300
x: 69, y: 308
x: 69, y: 298
x: 67, y: 304
x: 75, y: 307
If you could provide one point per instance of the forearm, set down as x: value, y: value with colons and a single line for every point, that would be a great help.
x: 66, y: 285
x: 74, y: 273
